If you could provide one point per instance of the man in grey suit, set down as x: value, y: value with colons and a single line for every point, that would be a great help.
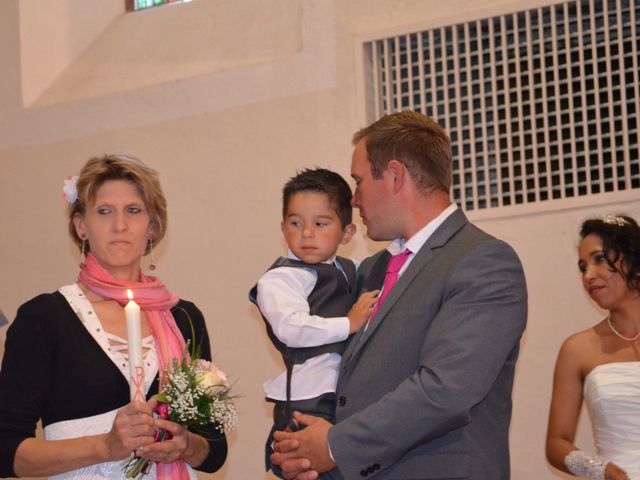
x: 425, y: 389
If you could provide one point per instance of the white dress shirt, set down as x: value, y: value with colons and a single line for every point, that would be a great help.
x: 282, y: 299
x: 416, y: 242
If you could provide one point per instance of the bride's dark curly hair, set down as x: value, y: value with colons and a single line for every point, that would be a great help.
x: 620, y: 237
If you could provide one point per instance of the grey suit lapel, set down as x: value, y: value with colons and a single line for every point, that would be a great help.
x: 375, y: 277
x: 438, y: 239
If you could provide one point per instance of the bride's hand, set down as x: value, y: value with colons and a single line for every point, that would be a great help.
x: 131, y: 430
x: 613, y: 472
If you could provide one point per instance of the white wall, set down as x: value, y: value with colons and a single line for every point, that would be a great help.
x: 52, y: 38
x: 226, y: 131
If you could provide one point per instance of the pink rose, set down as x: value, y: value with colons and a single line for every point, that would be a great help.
x: 211, y: 378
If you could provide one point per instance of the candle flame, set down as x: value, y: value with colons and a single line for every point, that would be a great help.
x: 129, y: 294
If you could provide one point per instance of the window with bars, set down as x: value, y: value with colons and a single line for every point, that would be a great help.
x: 540, y: 104
x: 136, y: 5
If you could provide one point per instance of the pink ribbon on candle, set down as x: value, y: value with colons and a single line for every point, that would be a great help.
x: 138, y: 383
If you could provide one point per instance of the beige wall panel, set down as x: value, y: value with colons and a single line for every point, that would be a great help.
x: 224, y: 143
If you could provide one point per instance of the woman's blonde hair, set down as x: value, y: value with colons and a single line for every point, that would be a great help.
x: 99, y: 170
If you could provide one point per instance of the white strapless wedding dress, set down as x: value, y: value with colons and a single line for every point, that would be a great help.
x: 612, y: 394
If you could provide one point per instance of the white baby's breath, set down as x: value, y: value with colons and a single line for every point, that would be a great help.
x: 195, y: 399
x: 224, y: 414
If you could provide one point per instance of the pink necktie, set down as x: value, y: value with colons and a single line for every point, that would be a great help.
x: 391, y: 277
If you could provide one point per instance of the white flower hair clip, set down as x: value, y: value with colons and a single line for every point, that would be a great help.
x: 614, y: 220
x: 70, y: 189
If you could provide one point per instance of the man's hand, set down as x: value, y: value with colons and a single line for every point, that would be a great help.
x: 304, y: 454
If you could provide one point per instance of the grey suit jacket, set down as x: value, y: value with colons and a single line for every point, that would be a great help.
x: 425, y: 392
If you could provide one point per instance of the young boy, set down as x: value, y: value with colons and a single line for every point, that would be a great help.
x: 307, y: 299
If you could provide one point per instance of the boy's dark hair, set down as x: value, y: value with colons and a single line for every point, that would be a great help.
x: 620, y: 237
x: 323, y: 181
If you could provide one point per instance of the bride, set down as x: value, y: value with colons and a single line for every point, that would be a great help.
x: 601, y: 365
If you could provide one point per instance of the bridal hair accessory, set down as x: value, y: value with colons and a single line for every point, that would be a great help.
x: 70, y: 189
x: 613, y: 220
x: 628, y: 339
x: 583, y: 465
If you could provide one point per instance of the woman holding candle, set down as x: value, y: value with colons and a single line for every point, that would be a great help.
x: 67, y: 354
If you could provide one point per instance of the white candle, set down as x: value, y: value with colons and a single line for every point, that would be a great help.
x: 136, y: 367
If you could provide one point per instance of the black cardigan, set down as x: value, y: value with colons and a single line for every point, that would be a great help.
x: 55, y: 371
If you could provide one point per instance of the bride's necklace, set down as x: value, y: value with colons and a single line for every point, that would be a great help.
x: 628, y: 339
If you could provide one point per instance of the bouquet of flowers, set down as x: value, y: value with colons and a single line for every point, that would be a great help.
x: 197, y: 394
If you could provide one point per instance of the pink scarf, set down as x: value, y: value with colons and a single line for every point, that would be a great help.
x: 156, y: 301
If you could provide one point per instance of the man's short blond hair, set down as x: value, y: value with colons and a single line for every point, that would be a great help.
x: 414, y: 139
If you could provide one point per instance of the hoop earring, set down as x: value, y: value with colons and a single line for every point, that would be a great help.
x: 152, y: 266
x: 83, y: 256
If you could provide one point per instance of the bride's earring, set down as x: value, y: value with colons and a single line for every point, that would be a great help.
x: 152, y: 266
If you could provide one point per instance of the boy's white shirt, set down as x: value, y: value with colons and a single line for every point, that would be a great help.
x: 282, y: 298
